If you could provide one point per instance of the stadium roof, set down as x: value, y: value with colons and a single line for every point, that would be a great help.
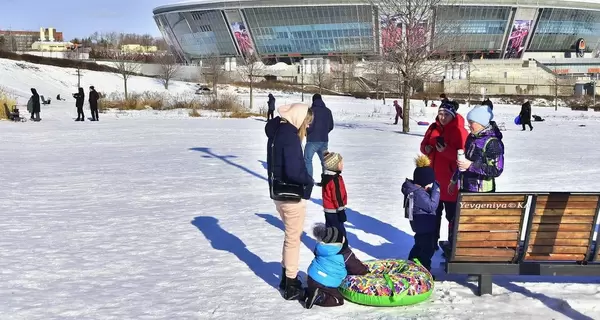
x: 224, y: 4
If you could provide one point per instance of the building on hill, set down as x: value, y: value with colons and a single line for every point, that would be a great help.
x: 18, y: 40
x: 138, y: 48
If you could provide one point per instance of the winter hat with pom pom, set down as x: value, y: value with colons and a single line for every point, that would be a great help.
x: 423, y: 174
x: 327, y: 234
x: 331, y: 160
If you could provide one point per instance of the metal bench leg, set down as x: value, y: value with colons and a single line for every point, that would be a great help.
x: 484, y: 284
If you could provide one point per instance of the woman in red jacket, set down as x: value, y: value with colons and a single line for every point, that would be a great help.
x: 441, y: 142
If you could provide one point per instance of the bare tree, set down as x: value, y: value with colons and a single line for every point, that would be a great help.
x: 378, y: 72
x: 319, y: 75
x: 410, y: 44
x: 212, y: 69
x: 168, y: 68
x: 126, y: 65
x: 249, y: 71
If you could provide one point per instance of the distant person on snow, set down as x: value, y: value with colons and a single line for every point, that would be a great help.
x: 525, y: 115
x: 398, y: 111
x: 79, y: 101
x: 271, y: 105
x: 488, y: 102
x: 318, y: 131
x: 93, y: 100
x: 33, y: 105
x: 421, y: 198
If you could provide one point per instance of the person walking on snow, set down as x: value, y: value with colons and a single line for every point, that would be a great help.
x: 398, y: 111
x: 318, y: 131
x: 93, y: 100
x: 525, y: 115
x: 271, y: 105
x: 441, y: 142
x: 33, y: 105
x: 79, y: 100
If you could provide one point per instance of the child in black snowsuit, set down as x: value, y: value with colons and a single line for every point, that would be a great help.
x: 422, y: 195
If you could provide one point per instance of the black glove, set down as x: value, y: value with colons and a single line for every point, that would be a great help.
x: 342, y: 216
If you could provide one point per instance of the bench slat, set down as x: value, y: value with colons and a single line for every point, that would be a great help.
x: 458, y: 258
x: 570, y: 198
x: 558, y: 235
x: 486, y: 236
x: 486, y: 252
x: 560, y: 242
x: 565, y: 205
x: 489, y: 219
x: 560, y: 227
x: 563, y: 219
x: 491, y: 212
x: 495, y: 198
x: 537, y: 249
x: 556, y: 257
x: 488, y: 227
x: 487, y: 244
x: 565, y: 212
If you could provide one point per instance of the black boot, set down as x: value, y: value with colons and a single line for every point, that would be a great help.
x: 293, y: 289
x: 312, y: 297
x: 282, y: 277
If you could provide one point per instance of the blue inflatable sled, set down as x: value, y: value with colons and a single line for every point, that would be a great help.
x: 518, y: 120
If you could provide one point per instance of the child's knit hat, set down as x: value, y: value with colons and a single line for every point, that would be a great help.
x: 327, y: 234
x: 423, y: 174
x: 449, y: 108
x: 481, y: 114
x: 331, y: 160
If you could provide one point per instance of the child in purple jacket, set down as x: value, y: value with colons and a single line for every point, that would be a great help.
x: 421, y: 198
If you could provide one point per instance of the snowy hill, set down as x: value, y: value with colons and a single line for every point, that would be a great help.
x: 161, y: 216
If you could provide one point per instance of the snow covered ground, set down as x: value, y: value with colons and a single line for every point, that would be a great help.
x: 161, y: 216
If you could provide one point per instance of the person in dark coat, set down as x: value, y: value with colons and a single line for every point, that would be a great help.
x: 422, y: 195
x: 93, y: 100
x: 525, y: 115
x: 318, y: 133
x: 286, y: 163
x: 271, y: 104
x: 398, y: 111
x: 35, y: 105
x: 79, y: 100
x: 488, y: 102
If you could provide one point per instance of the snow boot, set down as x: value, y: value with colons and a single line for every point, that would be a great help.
x: 282, y: 277
x: 312, y: 297
x: 293, y: 289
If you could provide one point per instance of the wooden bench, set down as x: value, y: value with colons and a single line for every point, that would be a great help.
x: 550, y: 234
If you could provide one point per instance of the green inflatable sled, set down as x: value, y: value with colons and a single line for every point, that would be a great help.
x: 389, y: 283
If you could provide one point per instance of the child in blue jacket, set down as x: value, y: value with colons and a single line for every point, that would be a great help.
x: 327, y: 270
x: 421, y: 198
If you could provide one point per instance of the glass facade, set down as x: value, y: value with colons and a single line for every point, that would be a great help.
x: 559, y: 29
x: 202, y: 33
x: 474, y: 28
x: 312, y: 30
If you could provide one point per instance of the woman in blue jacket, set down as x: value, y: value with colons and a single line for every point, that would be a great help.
x: 285, y: 162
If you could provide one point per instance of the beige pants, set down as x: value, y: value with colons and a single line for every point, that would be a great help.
x: 292, y: 214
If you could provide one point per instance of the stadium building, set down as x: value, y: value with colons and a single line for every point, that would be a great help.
x: 286, y: 30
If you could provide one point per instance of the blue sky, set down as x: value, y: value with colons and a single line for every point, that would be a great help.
x: 79, y: 18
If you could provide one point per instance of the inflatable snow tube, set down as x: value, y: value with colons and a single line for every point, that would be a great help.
x: 518, y: 120
x: 423, y: 123
x: 389, y: 283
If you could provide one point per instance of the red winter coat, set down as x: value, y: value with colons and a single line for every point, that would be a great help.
x: 335, y: 197
x: 444, y: 163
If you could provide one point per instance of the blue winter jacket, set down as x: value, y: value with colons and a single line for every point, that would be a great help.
x: 424, y: 204
x: 328, y: 267
x: 322, y: 124
x: 288, y: 164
